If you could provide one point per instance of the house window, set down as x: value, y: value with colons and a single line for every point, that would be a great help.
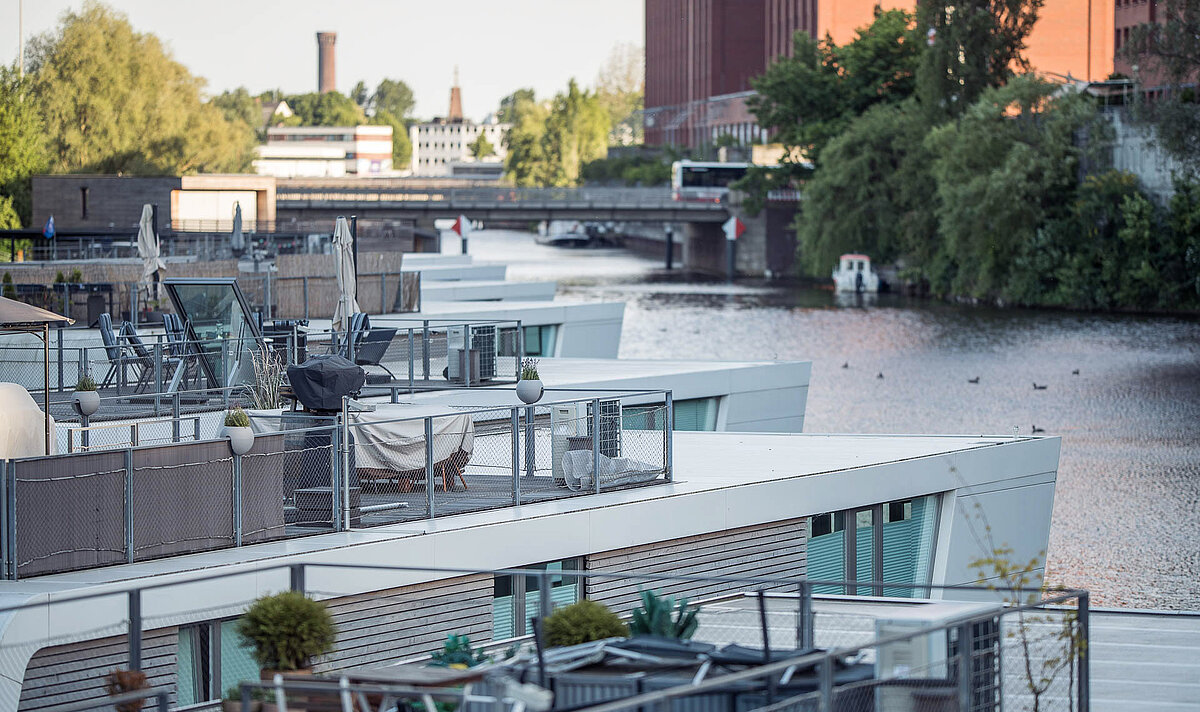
x: 891, y: 542
x: 696, y: 414
x: 83, y: 196
x: 516, y: 599
x: 211, y: 659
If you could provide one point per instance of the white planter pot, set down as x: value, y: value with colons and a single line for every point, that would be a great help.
x: 240, y: 439
x: 86, y: 402
x: 530, y: 391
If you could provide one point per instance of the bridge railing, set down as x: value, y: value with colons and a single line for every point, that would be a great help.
x: 606, y: 197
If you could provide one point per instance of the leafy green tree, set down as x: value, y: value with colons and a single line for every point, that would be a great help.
x: 871, y: 193
x: 507, y: 113
x: 361, y: 94
x: 972, y: 46
x: 401, y: 143
x: 22, y: 148
x: 811, y: 97
x: 1005, y: 168
x: 481, y: 147
x: 525, y: 163
x: 1171, y: 50
x: 239, y: 105
x: 328, y: 109
x: 620, y: 88
x: 114, y: 101
x: 394, y: 97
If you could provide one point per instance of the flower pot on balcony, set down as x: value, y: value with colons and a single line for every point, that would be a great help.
x: 530, y: 391
x: 241, y: 439
x: 86, y: 402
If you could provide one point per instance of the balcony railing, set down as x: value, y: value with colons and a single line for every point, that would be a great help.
x: 310, y: 475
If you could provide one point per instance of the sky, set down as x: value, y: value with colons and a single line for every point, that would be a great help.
x: 498, y: 45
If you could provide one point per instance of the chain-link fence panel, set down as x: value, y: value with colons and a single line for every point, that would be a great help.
x: 182, y: 499
x: 287, y: 486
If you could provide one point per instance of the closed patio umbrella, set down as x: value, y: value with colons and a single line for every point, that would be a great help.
x: 237, y: 240
x: 343, y: 243
x: 148, y: 251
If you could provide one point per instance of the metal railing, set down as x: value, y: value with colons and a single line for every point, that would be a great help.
x: 494, y: 198
x: 116, y: 503
x: 422, y: 354
x: 990, y: 656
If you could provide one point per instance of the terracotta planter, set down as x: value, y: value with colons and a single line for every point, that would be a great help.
x: 86, y: 402
x: 236, y: 706
x: 241, y: 439
x: 530, y: 391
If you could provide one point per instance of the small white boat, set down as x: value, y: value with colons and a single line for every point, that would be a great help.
x: 854, y: 274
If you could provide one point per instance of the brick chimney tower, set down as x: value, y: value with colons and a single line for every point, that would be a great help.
x: 326, y: 70
x: 456, y: 112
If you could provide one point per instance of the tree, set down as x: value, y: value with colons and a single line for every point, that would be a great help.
x: 1171, y: 50
x: 506, y: 114
x: 22, y: 148
x: 973, y: 45
x: 481, y: 147
x: 525, y: 161
x: 620, y: 88
x: 576, y: 132
x: 871, y: 193
x: 114, y: 101
x: 809, y: 98
x: 361, y: 94
x: 548, y: 145
x: 401, y: 143
x: 328, y: 109
x: 1005, y: 168
x: 394, y: 97
x: 238, y: 105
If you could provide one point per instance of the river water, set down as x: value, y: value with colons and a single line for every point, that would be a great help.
x: 1127, y: 507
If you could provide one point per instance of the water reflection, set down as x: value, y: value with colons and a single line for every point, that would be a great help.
x: 1127, y: 506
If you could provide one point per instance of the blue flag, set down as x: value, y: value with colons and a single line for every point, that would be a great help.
x: 48, y: 231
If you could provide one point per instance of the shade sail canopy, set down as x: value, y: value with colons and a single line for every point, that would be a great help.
x: 19, y: 315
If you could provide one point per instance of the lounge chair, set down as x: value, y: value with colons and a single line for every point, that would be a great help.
x: 118, y: 359
x: 369, y: 345
x: 145, y: 358
x: 178, y: 349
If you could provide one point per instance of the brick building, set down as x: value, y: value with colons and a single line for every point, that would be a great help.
x: 702, y: 54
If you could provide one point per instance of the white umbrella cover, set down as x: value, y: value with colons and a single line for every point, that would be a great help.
x: 237, y: 240
x: 148, y: 251
x: 343, y: 243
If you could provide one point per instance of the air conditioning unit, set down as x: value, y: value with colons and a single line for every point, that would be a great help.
x: 571, y: 429
x: 933, y: 656
x: 480, y: 357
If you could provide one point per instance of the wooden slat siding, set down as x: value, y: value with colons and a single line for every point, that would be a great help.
x: 775, y: 549
x: 389, y: 625
x: 74, y: 672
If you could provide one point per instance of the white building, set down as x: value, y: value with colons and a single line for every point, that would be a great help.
x: 439, y: 145
x: 325, y: 151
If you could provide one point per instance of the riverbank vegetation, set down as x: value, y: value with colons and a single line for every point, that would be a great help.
x: 936, y: 150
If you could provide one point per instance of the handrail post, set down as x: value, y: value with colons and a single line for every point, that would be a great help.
x: 335, y: 478
x: 135, y: 629
x: 129, y: 505
x: 964, y: 666
x: 545, y: 603
x: 825, y: 684
x: 345, y: 471
x: 85, y: 435
x: 175, y: 415
x: 61, y: 386
x: 305, y: 297
x: 10, y: 526
x: 237, y: 500
x: 429, y: 467
x: 530, y: 443
x: 1083, y: 647
x: 806, y: 632
x: 596, y: 444
x: 382, y: 293
x: 425, y: 349
x: 412, y: 362
x: 520, y: 348
x: 669, y: 437
x: 516, y: 456
x: 5, y: 560
x: 296, y: 576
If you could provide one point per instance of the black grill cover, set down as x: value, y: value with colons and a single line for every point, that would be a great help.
x: 321, y: 381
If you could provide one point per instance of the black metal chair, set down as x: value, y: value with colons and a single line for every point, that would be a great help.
x: 369, y: 345
x: 118, y: 360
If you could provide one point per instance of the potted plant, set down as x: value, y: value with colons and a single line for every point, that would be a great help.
x: 86, y: 400
x: 237, y: 429
x: 458, y: 653
x: 286, y: 631
x: 662, y: 617
x: 119, y: 682
x: 259, y: 701
x: 529, y: 388
x: 583, y: 622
